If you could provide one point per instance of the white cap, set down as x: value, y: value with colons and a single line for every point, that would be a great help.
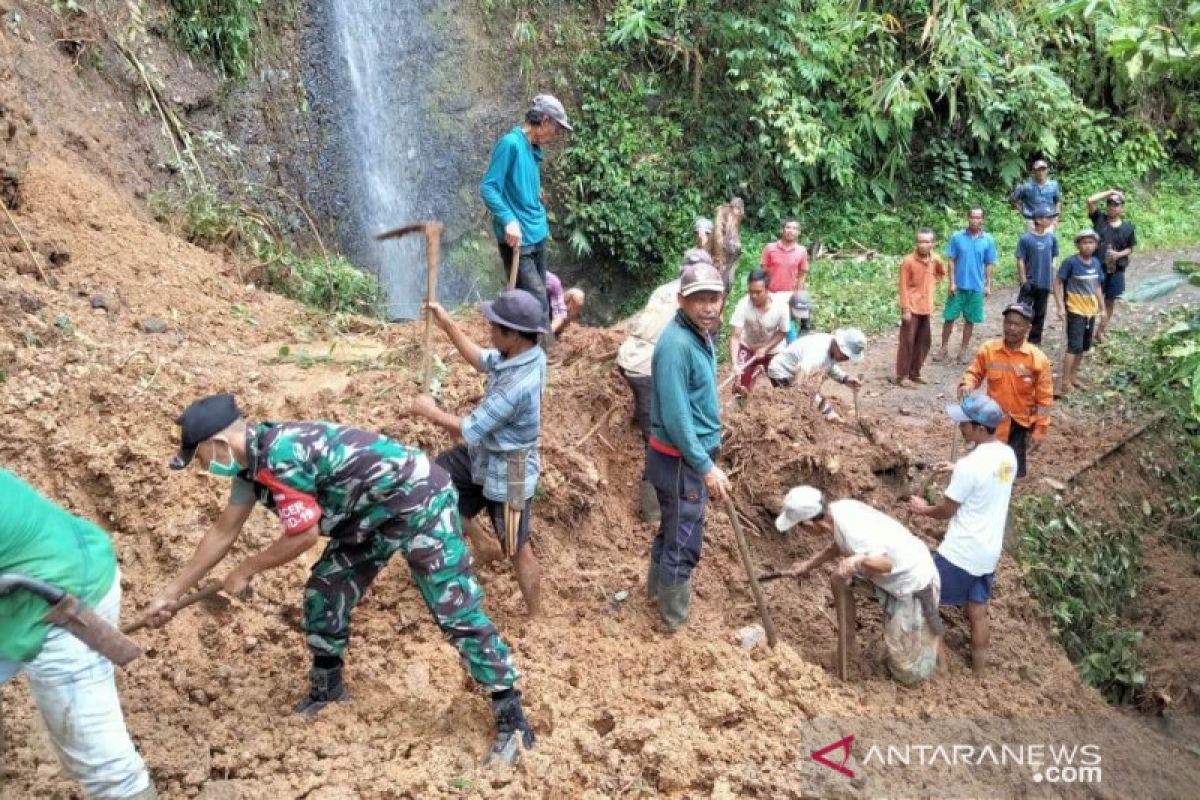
x: 852, y: 342
x: 801, y: 504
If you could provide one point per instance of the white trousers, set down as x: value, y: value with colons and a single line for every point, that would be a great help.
x: 76, y: 692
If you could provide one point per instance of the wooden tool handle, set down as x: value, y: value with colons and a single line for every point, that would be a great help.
x: 512, y: 269
x: 180, y: 604
x: 433, y: 240
x: 764, y: 613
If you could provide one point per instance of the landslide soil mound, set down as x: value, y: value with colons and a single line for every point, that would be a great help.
x: 621, y: 708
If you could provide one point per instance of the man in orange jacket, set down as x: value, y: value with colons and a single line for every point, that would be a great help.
x: 1019, y: 378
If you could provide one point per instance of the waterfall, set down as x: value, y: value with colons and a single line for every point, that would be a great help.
x: 383, y: 164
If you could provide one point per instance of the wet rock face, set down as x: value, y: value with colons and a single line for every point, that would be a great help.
x: 408, y: 117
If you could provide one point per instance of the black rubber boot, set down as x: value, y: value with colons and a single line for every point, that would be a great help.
x: 512, y: 731
x: 673, y: 602
x: 326, y: 687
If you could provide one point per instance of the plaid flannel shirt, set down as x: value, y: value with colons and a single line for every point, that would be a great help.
x: 508, y: 419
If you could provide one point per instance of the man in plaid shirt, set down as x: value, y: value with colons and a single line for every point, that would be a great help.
x: 502, y: 433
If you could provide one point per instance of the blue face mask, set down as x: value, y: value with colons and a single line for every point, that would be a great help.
x: 225, y: 470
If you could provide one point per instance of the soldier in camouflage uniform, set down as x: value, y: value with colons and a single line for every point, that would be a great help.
x: 372, y: 497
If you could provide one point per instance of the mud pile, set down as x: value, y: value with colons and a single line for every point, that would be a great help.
x: 621, y: 708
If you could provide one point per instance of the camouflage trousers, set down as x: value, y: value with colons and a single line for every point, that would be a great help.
x: 432, y: 543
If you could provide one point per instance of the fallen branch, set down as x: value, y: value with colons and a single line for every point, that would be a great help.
x: 603, y: 418
x: 1108, y: 451
x: 24, y: 241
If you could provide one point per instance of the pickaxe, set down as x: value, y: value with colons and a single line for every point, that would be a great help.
x: 433, y: 237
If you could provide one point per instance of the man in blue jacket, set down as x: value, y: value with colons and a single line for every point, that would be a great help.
x: 512, y: 191
x: 685, y: 434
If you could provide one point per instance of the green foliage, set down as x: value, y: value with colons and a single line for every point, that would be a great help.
x: 1087, y: 578
x: 221, y: 30
x: 334, y: 285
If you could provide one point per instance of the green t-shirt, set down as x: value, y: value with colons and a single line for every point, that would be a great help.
x: 40, y: 540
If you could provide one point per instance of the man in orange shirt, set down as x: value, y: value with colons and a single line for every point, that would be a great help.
x: 1019, y: 378
x: 919, y: 274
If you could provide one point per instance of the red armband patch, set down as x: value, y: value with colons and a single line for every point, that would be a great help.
x: 296, y: 510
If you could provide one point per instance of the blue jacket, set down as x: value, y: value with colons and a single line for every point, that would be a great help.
x: 684, y: 411
x: 512, y: 187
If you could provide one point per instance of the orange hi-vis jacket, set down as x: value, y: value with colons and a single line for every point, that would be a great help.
x: 1020, y: 380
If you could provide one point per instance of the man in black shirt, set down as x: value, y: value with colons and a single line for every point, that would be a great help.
x: 1117, y: 240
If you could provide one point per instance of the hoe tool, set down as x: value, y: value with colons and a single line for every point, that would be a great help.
x: 433, y: 237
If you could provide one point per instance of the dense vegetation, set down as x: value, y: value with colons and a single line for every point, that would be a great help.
x: 863, y: 119
x: 222, y: 31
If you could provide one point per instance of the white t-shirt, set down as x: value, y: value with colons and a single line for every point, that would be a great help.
x: 859, y: 529
x: 981, y: 484
x: 759, y: 325
x: 806, y: 356
x: 637, y: 350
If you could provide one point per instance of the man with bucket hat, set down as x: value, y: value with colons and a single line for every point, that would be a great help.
x: 512, y: 191
x: 685, y: 435
x: 371, y: 497
x: 496, y: 468
x: 976, y: 503
x: 1019, y: 378
x: 872, y: 549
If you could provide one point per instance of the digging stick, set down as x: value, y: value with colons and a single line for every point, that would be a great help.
x: 433, y: 236
x: 764, y: 613
x: 512, y: 269
x: 211, y: 590
x: 841, y: 603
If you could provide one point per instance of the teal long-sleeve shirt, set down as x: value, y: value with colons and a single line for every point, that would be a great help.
x: 684, y: 412
x: 512, y: 187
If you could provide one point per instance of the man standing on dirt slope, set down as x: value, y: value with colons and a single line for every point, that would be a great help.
x: 72, y: 684
x: 920, y: 272
x: 871, y: 546
x: 1117, y: 240
x: 819, y: 353
x: 685, y: 435
x: 972, y: 254
x: 372, y: 497
x: 760, y: 324
x: 512, y: 191
x: 1036, y: 251
x: 634, y: 359
x: 1040, y: 190
x: 1079, y: 295
x: 498, y: 464
x: 1019, y: 378
x: 976, y: 503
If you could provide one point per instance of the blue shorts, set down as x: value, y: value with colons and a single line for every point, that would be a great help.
x: 1113, y: 283
x: 960, y: 587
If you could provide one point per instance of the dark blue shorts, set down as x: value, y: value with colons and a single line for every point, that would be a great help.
x: 959, y: 586
x: 1113, y: 283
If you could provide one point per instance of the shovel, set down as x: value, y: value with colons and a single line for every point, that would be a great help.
x: 764, y: 612
x: 80, y: 621
x: 210, y: 593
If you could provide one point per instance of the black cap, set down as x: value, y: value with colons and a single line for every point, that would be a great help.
x: 1020, y: 308
x: 201, y: 421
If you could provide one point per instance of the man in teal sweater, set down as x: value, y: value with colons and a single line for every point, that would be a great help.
x: 685, y: 434
x: 72, y: 684
x: 512, y: 191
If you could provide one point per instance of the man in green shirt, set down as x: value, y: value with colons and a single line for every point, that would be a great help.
x: 72, y: 684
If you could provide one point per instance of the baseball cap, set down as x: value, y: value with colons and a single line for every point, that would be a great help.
x: 977, y: 408
x: 800, y: 504
x: 1043, y: 212
x: 1041, y: 164
x: 703, y: 224
x: 516, y: 309
x: 852, y: 342
x: 1086, y: 233
x: 801, y: 305
x: 549, y: 105
x: 1020, y: 308
x: 700, y: 278
x: 201, y: 421
x: 1116, y: 199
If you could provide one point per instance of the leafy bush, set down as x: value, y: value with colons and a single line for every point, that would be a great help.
x: 336, y: 286
x: 221, y: 30
x: 1087, y: 579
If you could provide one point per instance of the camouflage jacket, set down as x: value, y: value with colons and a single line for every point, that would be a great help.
x: 349, y: 480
